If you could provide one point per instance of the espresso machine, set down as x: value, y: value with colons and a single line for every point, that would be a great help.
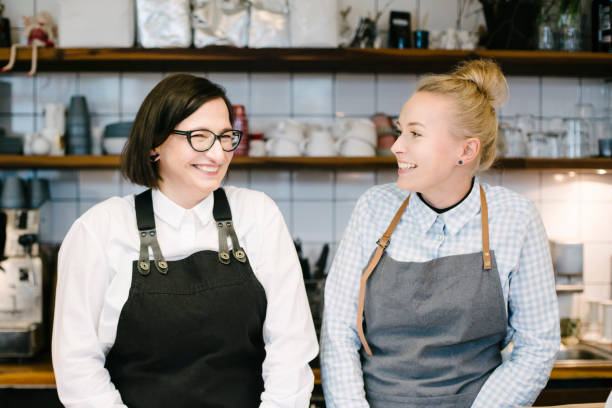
x: 21, y: 277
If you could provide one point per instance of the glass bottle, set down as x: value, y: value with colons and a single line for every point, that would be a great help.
x: 601, y: 25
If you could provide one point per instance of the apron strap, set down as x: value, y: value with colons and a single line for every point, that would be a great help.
x: 383, y: 243
x: 145, y: 220
x: 484, y: 219
x: 223, y: 219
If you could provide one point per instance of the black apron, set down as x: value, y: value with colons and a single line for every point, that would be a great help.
x: 190, y: 332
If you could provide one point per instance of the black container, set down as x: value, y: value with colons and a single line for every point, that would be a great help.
x: 605, y: 147
x: 601, y: 14
x: 421, y: 39
x: 78, y: 129
x: 399, y: 30
x: 511, y: 24
x: 5, y: 29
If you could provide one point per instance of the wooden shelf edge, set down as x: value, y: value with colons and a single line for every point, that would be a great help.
x: 225, y: 58
x: 333, y: 163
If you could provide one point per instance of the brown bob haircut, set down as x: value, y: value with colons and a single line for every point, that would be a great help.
x: 172, y: 100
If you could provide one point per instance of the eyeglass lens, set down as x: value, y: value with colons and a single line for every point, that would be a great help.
x: 202, y: 140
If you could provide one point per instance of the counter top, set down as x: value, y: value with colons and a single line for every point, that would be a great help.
x: 40, y: 373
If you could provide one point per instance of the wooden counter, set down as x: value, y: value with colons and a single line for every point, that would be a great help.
x: 40, y: 373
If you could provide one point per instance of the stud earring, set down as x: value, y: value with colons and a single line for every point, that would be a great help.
x: 460, y: 162
x: 154, y: 157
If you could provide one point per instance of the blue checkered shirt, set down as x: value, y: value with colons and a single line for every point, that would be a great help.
x: 520, y: 244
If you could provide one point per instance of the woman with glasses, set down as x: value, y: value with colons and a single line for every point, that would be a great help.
x: 188, y: 294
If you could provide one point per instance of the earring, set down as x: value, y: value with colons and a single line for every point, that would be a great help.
x: 460, y: 162
x: 154, y: 157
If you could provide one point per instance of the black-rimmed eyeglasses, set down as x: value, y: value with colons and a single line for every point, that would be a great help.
x: 202, y: 140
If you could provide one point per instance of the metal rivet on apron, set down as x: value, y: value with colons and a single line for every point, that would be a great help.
x: 143, y: 234
x: 152, y: 233
x: 219, y: 224
x: 239, y: 254
x: 163, y: 264
x: 224, y: 255
x: 144, y: 265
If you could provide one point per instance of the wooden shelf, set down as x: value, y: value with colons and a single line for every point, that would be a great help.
x: 384, y: 60
x: 333, y: 163
x: 569, y: 288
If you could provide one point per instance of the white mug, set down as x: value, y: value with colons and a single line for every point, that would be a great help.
x: 257, y: 148
x: 354, y: 147
x: 319, y: 142
x: 55, y: 117
x: 288, y: 129
x: 283, y: 147
x: 363, y: 129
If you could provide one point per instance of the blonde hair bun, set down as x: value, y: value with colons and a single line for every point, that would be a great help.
x: 488, y: 78
x: 476, y: 88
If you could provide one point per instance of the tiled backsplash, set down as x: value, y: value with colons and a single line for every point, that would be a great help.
x: 317, y: 204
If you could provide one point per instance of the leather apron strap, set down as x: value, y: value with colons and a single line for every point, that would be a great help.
x: 383, y: 243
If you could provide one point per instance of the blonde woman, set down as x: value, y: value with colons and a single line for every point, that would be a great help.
x: 436, y: 274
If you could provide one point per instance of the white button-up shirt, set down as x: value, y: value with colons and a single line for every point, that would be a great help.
x: 95, y: 274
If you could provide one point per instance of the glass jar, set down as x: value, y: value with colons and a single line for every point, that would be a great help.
x: 569, y: 32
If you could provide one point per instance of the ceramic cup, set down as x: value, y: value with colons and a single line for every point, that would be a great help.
x: 363, y: 129
x: 257, y: 148
x: 354, y: 147
x: 288, y: 129
x: 283, y: 147
x: 385, y: 134
x: 38, y: 189
x: 14, y: 194
x: 320, y: 142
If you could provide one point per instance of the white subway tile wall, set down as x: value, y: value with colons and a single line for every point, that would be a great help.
x: 316, y: 203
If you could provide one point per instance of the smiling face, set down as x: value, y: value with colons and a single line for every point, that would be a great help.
x: 428, y: 152
x: 189, y: 176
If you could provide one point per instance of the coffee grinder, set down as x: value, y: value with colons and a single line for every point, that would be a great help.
x: 21, y: 277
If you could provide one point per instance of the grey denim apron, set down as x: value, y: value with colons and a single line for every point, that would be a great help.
x: 431, y: 331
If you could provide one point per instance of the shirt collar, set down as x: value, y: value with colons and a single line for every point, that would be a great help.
x: 456, y: 218
x: 424, y: 217
x: 173, y: 214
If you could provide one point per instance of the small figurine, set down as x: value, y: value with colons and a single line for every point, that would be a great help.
x: 40, y: 31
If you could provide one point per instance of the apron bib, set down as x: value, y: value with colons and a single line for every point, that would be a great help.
x: 190, y: 332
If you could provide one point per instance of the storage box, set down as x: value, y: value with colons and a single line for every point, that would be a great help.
x: 96, y: 24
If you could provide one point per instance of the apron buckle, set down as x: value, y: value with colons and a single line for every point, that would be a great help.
x: 383, y: 245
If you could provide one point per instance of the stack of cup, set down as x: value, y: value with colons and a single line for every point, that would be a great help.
x: 356, y: 138
x: 285, y: 139
x: 78, y: 132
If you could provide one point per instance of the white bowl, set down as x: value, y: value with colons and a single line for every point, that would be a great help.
x: 114, y: 145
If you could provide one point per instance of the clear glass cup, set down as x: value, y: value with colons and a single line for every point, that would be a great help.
x: 515, y: 141
x: 569, y: 32
x: 525, y: 122
x: 576, y: 141
x: 543, y: 144
x: 587, y: 112
x: 546, y: 36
